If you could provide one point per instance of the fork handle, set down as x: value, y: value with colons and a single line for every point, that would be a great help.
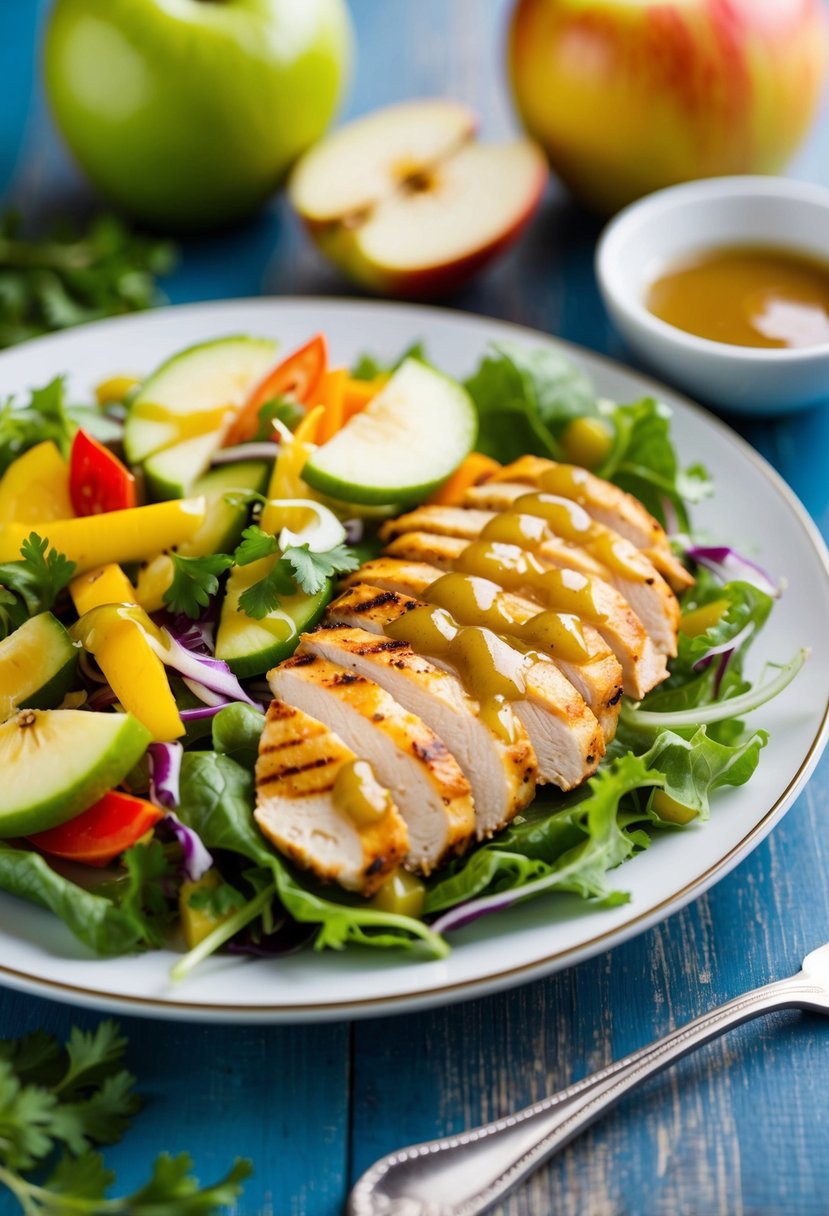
x: 465, y: 1174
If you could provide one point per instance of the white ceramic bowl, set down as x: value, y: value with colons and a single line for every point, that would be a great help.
x: 644, y: 238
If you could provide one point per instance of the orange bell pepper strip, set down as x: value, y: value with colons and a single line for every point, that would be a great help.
x: 296, y: 377
x: 330, y: 394
x: 102, y: 832
x: 358, y: 393
x: 474, y: 469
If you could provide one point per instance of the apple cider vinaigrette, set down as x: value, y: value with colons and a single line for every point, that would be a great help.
x: 467, y: 616
x: 746, y: 295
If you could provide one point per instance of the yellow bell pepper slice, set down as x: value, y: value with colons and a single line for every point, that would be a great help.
x: 153, y: 580
x: 117, y: 637
x: 115, y: 390
x: 294, y: 454
x: 132, y: 535
x: 104, y: 585
x: 35, y: 487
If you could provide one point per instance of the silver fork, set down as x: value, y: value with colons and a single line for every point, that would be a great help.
x: 466, y: 1174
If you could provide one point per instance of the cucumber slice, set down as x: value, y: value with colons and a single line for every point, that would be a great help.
x: 37, y: 665
x: 406, y: 441
x: 57, y: 762
x: 188, y: 394
x: 223, y: 524
x: 171, y: 473
x: 251, y: 647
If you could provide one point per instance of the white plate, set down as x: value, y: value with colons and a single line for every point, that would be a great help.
x: 753, y: 509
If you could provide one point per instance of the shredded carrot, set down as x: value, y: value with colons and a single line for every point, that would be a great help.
x: 473, y: 470
x: 330, y: 394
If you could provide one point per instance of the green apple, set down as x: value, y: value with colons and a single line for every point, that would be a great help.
x: 57, y: 762
x: 188, y: 113
x: 37, y: 665
x: 404, y: 444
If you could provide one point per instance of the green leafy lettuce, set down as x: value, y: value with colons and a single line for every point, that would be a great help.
x: 574, y: 844
x: 217, y: 799
x: 527, y: 397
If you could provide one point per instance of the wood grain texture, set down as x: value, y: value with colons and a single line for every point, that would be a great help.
x: 740, y: 1129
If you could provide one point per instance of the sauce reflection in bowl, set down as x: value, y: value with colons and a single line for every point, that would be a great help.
x: 722, y: 285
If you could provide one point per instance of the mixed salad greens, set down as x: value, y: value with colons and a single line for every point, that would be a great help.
x: 162, y: 549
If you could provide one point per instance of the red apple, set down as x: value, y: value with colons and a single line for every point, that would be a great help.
x: 628, y: 96
x: 406, y: 201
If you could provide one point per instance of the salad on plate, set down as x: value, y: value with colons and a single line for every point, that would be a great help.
x: 295, y: 655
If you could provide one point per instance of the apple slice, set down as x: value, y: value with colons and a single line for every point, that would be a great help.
x: 365, y: 161
x: 405, y: 201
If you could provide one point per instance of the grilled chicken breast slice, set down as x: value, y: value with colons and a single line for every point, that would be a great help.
x: 425, y: 780
x: 598, y: 678
x: 643, y: 667
x: 603, y: 501
x: 565, y: 735
x: 501, y: 772
x: 638, y: 580
x: 298, y: 765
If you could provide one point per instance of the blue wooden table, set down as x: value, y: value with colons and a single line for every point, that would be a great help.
x: 741, y: 1128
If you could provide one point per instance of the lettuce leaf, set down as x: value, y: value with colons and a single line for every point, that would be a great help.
x: 575, y: 847
x: 527, y: 397
x: 95, y: 920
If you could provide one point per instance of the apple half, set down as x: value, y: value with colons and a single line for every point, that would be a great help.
x: 406, y: 201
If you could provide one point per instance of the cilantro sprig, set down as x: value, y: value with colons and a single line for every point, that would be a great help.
x: 31, y: 585
x: 65, y: 279
x: 195, y: 582
x: 57, y: 1103
x: 299, y: 568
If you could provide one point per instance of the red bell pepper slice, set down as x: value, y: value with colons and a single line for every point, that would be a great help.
x: 98, y: 481
x: 102, y: 832
x: 297, y: 378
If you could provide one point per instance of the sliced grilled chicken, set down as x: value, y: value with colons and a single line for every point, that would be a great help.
x: 300, y: 761
x: 617, y: 561
x: 443, y: 521
x: 501, y: 771
x: 605, y: 502
x: 598, y: 677
x: 565, y: 735
x: 643, y: 667
x: 425, y: 781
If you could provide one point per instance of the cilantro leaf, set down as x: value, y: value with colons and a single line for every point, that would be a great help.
x: 32, y: 585
x: 82, y: 1177
x: 91, y: 1057
x: 67, y: 279
x: 172, y: 1188
x: 312, y: 569
x: 36, y: 1122
x: 255, y: 544
x: 299, y: 568
x: 195, y: 582
x: 26, y: 1115
x: 45, y: 417
x: 263, y: 596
